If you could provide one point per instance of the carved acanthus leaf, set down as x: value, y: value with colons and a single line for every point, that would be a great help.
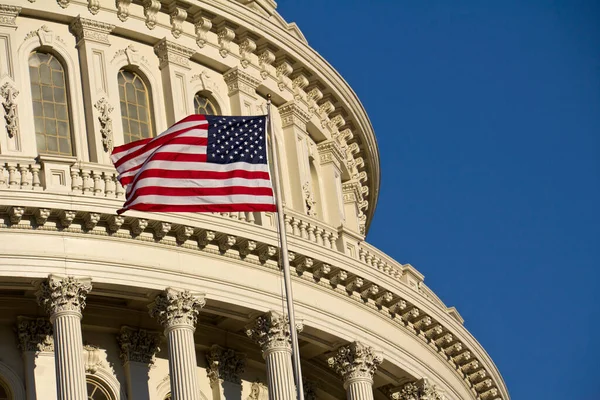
x: 224, y: 365
x: 173, y: 307
x: 57, y: 294
x: 104, y: 116
x: 138, y: 345
x: 355, y: 361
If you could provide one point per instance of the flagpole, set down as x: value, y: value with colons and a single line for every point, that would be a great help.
x: 285, y: 261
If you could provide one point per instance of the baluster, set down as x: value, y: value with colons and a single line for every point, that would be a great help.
x: 234, y: 215
x: 334, y: 238
x: 311, y: 233
x: 295, y: 228
x: 88, y: 184
x: 2, y: 176
x: 303, y: 232
x: 288, y: 225
x: 327, y: 239
x: 35, y: 177
x: 319, y: 236
x: 75, y: 179
x: 109, y: 186
x: 97, y: 179
x: 369, y: 259
x: 24, y: 170
x: 119, y: 190
x: 251, y: 218
x: 361, y: 255
x: 13, y: 180
x: 225, y: 214
x: 243, y: 217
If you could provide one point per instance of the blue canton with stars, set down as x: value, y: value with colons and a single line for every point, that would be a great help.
x: 235, y: 139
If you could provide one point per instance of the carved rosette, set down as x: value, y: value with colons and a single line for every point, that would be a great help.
x: 9, y: 95
x: 173, y: 308
x: 138, y: 345
x: 271, y: 331
x: 104, y: 111
x: 419, y: 390
x: 224, y: 365
x: 35, y: 334
x: 355, y: 362
x: 58, y: 294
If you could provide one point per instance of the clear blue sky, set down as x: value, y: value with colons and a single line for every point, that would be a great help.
x: 487, y: 116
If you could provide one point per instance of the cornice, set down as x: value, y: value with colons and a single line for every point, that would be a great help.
x: 436, y: 329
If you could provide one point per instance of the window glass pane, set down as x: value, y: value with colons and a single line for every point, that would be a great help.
x: 203, y: 105
x: 50, y: 104
x: 135, y: 106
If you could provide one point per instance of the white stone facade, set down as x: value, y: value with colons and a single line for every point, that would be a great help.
x: 188, y: 306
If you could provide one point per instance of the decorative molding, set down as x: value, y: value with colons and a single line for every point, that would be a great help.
x: 138, y: 345
x: 283, y: 69
x: 44, y: 34
x: 63, y: 3
x: 123, y: 9
x: 226, y: 34
x: 8, y: 15
x: 258, y: 391
x: 355, y: 361
x: 9, y: 95
x: 94, y: 6
x: 35, y: 334
x: 87, y: 29
x: 173, y: 307
x: 170, y: 52
x: 265, y: 59
x: 240, y: 81
x: 419, y: 390
x: 293, y: 113
x: 202, y: 26
x: 247, y: 47
x: 224, y: 365
x: 309, y: 200
x: 132, y: 55
x: 151, y: 8
x: 58, y: 294
x: 271, y: 331
x: 104, y: 111
x: 178, y: 17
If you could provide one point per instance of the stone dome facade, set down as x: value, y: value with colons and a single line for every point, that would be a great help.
x: 100, y: 306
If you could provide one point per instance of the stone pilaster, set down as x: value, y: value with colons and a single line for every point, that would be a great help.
x: 177, y: 311
x: 241, y: 88
x: 356, y: 363
x: 419, y: 390
x: 174, y: 64
x: 331, y: 160
x: 37, y: 345
x: 93, y: 41
x: 294, y: 117
x: 271, y: 332
x: 9, y: 95
x: 64, y: 300
x: 138, y: 347
x: 224, y: 369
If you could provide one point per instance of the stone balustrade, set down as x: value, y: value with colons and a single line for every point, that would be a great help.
x: 310, y: 229
x: 96, y: 180
x: 20, y: 174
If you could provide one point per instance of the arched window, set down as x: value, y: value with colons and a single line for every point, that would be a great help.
x: 203, y: 105
x: 135, y: 106
x: 96, y: 390
x: 4, y: 391
x: 50, y: 104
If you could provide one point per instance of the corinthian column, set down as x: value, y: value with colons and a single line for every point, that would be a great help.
x: 138, y: 347
x: 224, y: 369
x: 177, y: 311
x: 64, y: 300
x: 419, y: 390
x: 356, y: 364
x: 272, y: 333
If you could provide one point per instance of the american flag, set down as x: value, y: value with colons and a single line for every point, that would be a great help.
x: 203, y: 163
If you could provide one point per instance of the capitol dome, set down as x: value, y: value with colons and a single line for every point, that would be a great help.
x: 139, y: 306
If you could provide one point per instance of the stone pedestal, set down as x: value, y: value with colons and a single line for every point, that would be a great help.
x: 356, y: 364
x: 271, y: 331
x: 64, y: 300
x: 177, y: 312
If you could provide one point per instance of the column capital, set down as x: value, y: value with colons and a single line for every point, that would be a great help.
x: 224, y: 365
x: 294, y: 113
x: 8, y: 15
x: 174, y: 308
x: 419, y: 390
x: 35, y: 334
x: 138, y: 345
x: 63, y: 294
x: 271, y: 331
x: 172, y: 53
x: 330, y: 152
x: 89, y: 29
x: 238, y: 80
x: 355, y: 362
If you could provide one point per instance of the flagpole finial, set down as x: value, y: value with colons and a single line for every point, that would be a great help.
x: 269, y: 98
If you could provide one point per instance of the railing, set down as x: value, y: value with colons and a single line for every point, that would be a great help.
x: 20, y: 174
x: 375, y: 258
x: 310, y: 229
x: 96, y: 180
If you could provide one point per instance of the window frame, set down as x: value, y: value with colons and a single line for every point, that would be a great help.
x: 149, y: 106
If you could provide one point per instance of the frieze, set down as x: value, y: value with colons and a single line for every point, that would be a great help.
x: 8, y: 15
x: 240, y: 81
x: 292, y: 113
x: 87, y: 29
x: 171, y: 52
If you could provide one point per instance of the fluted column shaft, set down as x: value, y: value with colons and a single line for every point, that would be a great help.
x: 359, y: 390
x: 64, y: 300
x: 70, y: 370
x: 178, y: 311
x: 182, y: 362
x: 280, y: 376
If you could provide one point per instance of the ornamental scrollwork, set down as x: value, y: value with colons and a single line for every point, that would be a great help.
x: 173, y: 307
x: 271, y: 331
x: 123, y: 9
x: 355, y: 361
x: 224, y: 365
x: 104, y: 112
x: 151, y: 8
x: 419, y: 390
x: 58, y: 294
x: 138, y: 345
x: 309, y: 200
x: 35, y: 334
x: 9, y: 95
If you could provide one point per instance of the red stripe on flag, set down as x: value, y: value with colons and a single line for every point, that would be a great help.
x: 242, y: 207
x: 197, y: 191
